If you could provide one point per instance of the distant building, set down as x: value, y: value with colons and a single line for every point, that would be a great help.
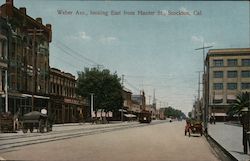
x: 152, y: 110
x: 161, y: 114
x: 140, y: 99
x: 227, y: 74
x: 197, y: 106
x: 28, y: 59
x: 65, y: 105
x: 127, y: 100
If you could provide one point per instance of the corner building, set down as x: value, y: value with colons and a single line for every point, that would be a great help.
x: 227, y: 74
x: 28, y: 60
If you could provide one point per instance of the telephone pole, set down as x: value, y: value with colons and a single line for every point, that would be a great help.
x: 205, y: 100
x: 34, y: 33
x: 92, y: 105
x: 122, y: 89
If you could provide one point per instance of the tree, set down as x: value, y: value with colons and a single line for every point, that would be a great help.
x: 242, y: 101
x: 106, y: 87
x: 171, y: 112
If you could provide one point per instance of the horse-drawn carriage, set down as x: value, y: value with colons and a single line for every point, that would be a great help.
x: 194, y: 127
x: 35, y: 120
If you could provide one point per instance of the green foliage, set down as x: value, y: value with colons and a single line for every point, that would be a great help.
x: 242, y: 101
x: 105, y: 86
x: 171, y: 112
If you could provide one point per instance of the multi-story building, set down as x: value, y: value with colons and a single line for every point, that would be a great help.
x: 127, y: 101
x: 227, y: 74
x: 5, y: 34
x: 140, y: 99
x: 65, y: 105
x: 28, y: 60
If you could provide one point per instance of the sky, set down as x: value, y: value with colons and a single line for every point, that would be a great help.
x: 153, y: 52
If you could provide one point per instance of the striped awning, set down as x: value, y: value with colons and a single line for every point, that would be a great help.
x: 231, y: 97
x: 218, y: 97
x: 220, y: 114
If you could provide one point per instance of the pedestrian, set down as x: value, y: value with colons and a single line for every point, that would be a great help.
x: 211, y: 119
x: 214, y: 120
x: 245, y: 121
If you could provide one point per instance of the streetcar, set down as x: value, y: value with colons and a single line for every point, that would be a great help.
x: 144, y: 116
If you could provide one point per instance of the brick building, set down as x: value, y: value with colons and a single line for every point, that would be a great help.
x: 5, y: 34
x: 66, y: 106
x: 28, y: 60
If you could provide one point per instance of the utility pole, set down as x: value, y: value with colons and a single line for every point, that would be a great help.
x: 205, y: 100
x: 199, y: 82
x: 6, y: 80
x: 92, y: 104
x: 122, y: 105
x: 149, y: 97
x: 34, y: 33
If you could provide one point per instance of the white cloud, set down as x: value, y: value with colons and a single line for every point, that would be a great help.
x: 80, y: 36
x: 197, y: 39
x: 210, y: 44
x: 108, y: 39
x: 84, y: 36
x: 200, y: 40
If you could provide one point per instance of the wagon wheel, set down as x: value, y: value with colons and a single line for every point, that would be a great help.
x: 31, y: 129
x: 25, y: 130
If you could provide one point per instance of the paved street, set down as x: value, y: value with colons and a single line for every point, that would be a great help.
x: 158, y: 141
x: 230, y: 138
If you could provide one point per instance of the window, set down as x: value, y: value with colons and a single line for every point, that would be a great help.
x: 218, y: 74
x: 245, y: 74
x: 232, y: 62
x: 231, y: 86
x: 245, y: 62
x: 245, y: 85
x: 218, y: 86
x: 232, y: 74
x: 218, y: 63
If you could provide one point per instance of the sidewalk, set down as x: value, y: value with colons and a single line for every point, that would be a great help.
x: 230, y: 138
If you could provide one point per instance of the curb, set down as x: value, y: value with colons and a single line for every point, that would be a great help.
x: 222, y: 148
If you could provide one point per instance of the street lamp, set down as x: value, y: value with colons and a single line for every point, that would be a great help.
x: 205, y: 104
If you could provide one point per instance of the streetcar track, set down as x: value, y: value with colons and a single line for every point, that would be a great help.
x: 72, y: 135
x: 60, y: 135
x: 51, y: 133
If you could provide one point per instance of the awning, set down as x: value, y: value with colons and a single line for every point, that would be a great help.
x: 42, y: 97
x: 120, y: 110
x: 231, y: 97
x: 36, y: 96
x: 129, y: 115
x: 218, y: 97
x: 220, y: 114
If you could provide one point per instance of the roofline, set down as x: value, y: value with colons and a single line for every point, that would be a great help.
x: 229, y: 50
x: 29, y: 18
